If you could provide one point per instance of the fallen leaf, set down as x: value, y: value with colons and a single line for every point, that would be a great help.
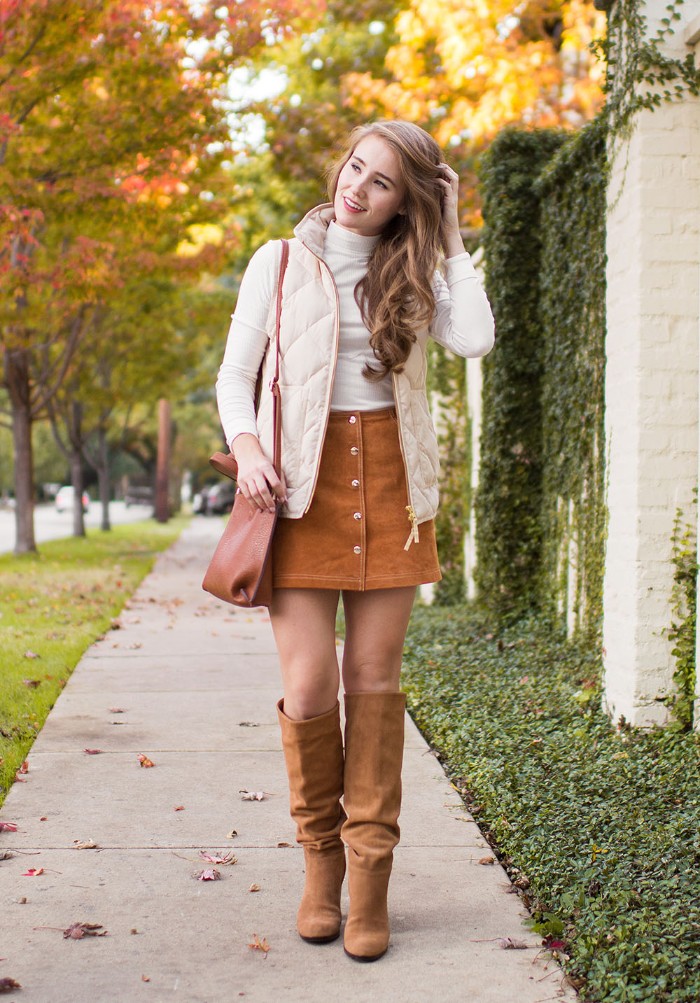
x: 24, y: 768
x: 179, y: 807
x: 487, y: 860
x: 252, y: 795
x: 8, y: 827
x: 145, y: 978
x: 7, y: 985
x: 76, y: 931
x: 31, y: 654
x: 145, y: 761
x: 510, y: 944
x: 208, y: 874
x: 19, y: 779
x: 259, y: 945
x: 44, y: 818
x: 84, y: 844
x: 254, y: 888
x: 93, y: 752
x: 115, y: 710
x: 217, y: 858
x: 6, y: 854
x: 133, y: 930
x: 33, y: 872
x: 248, y: 724
x: 232, y: 834
x: 281, y: 844
x: 32, y: 683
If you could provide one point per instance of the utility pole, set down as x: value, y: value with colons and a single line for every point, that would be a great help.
x: 162, y: 506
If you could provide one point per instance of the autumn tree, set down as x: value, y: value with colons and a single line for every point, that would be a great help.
x: 104, y: 105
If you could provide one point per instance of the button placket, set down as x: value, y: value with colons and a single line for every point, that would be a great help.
x: 359, y: 548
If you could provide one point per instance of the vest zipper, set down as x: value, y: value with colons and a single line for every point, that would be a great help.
x: 414, y: 535
x: 330, y: 382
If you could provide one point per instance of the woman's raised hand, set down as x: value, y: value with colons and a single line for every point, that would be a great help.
x: 450, y: 211
x: 257, y: 480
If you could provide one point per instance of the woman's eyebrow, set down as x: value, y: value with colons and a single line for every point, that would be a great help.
x: 378, y: 173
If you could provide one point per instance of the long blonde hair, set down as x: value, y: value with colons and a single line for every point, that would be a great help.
x: 396, y: 295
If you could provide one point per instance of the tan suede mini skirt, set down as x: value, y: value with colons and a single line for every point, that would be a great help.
x: 355, y: 532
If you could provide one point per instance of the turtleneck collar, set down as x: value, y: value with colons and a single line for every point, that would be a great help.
x: 340, y: 239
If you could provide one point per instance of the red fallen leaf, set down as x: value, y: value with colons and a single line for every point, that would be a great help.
x: 283, y: 844
x: 145, y: 978
x: 8, y: 827
x: 32, y: 683
x: 7, y: 984
x: 44, y: 818
x: 259, y: 945
x: 179, y: 807
x: 115, y: 710
x: 31, y: 654
x: 487, y: 860
x: 145, y: 761
x: 19, y: 779
x: 33, y: 872
x: 93, y: 752
x: 554, y: 943
x: 209, y: 874
x: 254, y: 888
x: 24, y: 768
x: 76, y: 931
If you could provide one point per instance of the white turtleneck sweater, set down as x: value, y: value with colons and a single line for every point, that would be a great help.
x: 462, y: 322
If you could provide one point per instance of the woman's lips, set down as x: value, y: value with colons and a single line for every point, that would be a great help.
x: 351, y: 206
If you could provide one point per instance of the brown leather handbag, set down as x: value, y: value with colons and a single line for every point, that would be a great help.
x: 240, y: 571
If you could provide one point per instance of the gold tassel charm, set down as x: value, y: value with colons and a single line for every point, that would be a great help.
x: 413, y: 536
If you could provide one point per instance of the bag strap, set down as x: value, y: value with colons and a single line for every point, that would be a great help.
x: 225, y: 463
x: 274, y: 382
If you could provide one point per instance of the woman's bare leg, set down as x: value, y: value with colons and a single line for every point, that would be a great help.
x: 375, y: 630
x: 303, y: 622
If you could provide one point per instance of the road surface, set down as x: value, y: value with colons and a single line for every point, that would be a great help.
x: 52, y: 525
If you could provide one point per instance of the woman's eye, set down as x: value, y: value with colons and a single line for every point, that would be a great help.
x: 356, y: 168
x: 381, y: 183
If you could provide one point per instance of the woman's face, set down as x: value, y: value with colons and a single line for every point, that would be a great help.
x: 370, y: 191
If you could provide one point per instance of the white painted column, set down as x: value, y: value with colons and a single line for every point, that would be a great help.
x: 653, y: 246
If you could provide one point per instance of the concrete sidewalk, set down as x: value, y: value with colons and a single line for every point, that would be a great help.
x: 195, y: 683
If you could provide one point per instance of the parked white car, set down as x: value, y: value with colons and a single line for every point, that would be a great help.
x: 64, y: 499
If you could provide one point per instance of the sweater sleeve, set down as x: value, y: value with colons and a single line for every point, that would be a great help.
x: 463, y: 321
x: 246, y: 343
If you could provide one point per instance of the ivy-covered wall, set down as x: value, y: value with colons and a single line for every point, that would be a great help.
x: 509, y: 497
x: 572, y: 288
x: 540, y: 504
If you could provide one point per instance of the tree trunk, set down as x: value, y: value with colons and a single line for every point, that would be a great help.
x: 76, y: 471
x: 103, y: 478
x: 163, y: 462
x: 18, y: 387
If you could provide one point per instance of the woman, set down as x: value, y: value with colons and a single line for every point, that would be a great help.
x: 358, y: 490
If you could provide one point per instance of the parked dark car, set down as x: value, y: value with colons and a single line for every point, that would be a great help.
x: 220, y: 497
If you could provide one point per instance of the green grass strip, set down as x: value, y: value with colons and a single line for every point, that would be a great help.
x: 601, y: 828
x: 53, y: 605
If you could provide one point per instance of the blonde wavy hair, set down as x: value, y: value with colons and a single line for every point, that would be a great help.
x: 396, y: 295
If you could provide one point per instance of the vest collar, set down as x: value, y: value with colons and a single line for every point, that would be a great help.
x: 311, y: 230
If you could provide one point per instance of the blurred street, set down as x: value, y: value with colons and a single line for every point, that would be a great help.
x: 52, y: 525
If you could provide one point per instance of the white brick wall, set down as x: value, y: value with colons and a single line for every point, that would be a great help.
x: 653, y: 245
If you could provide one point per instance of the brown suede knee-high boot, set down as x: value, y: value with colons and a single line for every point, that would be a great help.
x: 313, y: 752
x: 374, y: 735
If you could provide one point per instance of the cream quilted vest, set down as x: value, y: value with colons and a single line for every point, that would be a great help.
x: 308, y: 352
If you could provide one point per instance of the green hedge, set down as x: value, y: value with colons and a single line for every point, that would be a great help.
x: 601, y: 829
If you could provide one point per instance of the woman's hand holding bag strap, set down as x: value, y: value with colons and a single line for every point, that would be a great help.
x: 240, y: 571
